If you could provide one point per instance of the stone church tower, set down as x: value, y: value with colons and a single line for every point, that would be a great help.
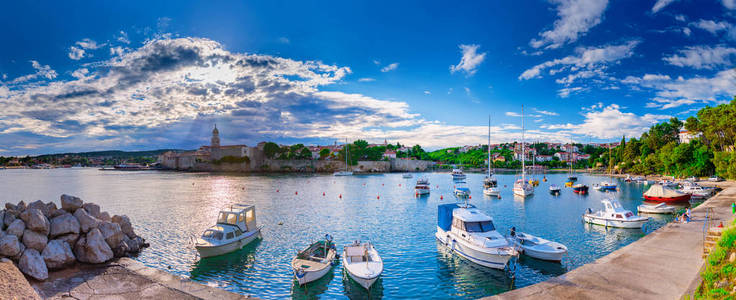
x: 215, y: 143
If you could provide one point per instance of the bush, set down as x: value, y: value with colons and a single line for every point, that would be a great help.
x: 728, y: 238
x: 716, y: 256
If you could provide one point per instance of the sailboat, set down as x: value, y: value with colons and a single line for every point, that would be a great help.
x: 609, y: 185
x: 522, y: 187
x: 347, y: 171
x: 490, y: 185
x: 534, y: 181
x: 572, y: 177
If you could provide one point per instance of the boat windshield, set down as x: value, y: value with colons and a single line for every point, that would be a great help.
x: 483, y: 226
x: 227, y: 218
x: 212, y: 234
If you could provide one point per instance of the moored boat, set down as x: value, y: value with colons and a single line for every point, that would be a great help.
x: 660, y: 208
x: 362, y: 263
x: 614, y: 215
x: 422, y: 187
x: 538, y: 247
x: 660, y: 193
x: 554, y: 189
x: 457, y: 174
x: 235, y: 228
x: 461, y: 189
x: 580, y: 189
x: 697, y: 191
x: 407, y: 175
x: 315, y: 261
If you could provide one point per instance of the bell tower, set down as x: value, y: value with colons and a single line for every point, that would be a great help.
x: 215, y: 142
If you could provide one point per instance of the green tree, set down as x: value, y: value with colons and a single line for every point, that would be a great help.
x: 324, y: 153
x: 270, y: 149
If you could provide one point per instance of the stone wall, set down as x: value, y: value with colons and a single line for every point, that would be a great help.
x: 259, y: 164
x: 405, y: 165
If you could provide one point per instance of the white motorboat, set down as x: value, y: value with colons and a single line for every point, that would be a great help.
x: 607, y: 186
x: 696, y: 191
x: 537, y: 247
x: 347, y: 171
x: 457, y: 174
x: 469, y: 233
x: 422, y: 187
x: 462, y: 190
x: 490, y: 184
x: 661, y: 208
x: 693, y: 179
x: 407, y: 175
x: 614, y: 215
x: 522, y: 187
x: 554, y: 189
x: 315, y: 261
x: 362, y: 263
x: 235, y: 228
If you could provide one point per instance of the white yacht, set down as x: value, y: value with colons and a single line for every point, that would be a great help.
x: 235, y: 228
x: 614, y: 215
x: 522, y: 187
x: 422, y: 187
x: 457, y: 174
x: 554, y: 189
x: 490, y: 184
x: 537, y: 247
x: 362, y: 263
x: 470, y: 233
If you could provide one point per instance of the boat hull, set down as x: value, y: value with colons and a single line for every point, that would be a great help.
x: 683, y: 198
x: 550, y: 256
x: 614, y: 223
x: 491, y: 192
x: 210, y: 251
x: 366, y: 283
x: 422, y: 191
x: 309, y: 276
x: 490, y: 260
x: 656, y: 211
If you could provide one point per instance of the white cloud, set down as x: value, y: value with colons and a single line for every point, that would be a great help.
x: 123, y: 37
x: 565, y: 92
x: 390, y: 67
x: 80, y: 73
x: 675, y: 92
x: 702, y: 57
x: 470, y: 60
x: 513, y: 114
x: 686, y: 31
x: 284, y: 40
x: 117, y: 51
x: 42, y: 71
x: 660, y: 4
x: 89, y: 44
x: 610, y: 122
x: 680, y: 18
x: 730, y: 4
x: 76, y: 53
x: 545, y: 112
x: 592, y: 59
x: 576, y: 17
x: 427, y: 93
x: 366, y: 79
x: 716, y: 27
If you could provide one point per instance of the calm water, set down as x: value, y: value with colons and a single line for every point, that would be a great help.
x: 168, y: 208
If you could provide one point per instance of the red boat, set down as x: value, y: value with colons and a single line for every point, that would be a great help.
x: 660, y: 193
x: 580, y: 189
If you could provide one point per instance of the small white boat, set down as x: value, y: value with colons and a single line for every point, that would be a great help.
x: 661, y: 208
x: 362, y: 263
x: 614, y: 215
x: 537, y: 247
x: 315, y: 261
x: 597, y: 187
x: 457, y: 174
x: 407, y: 175
x: 235, y: 228
x: 462, y: 190
x: 422, y: 187
x: 554, y: 189
x: 608, y: 186
x: 492, y: 191
x: 696, y: 191
x: 343, y: 173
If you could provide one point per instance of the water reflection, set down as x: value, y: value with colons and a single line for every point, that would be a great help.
x: 354, y: 290
x: 466, y: 277
x: 542, y: 266
x: 238, y: 261
x: 312, y: 290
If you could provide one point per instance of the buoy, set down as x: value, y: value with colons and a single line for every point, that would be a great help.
x: 499, y: 196
x: 440, y: 197
x: 277, y: 191
x: 296, y: 193
x: 399, y: 184
x: 416, y: 194
x: 378, y: 197
x: 470, y: 197
x: 323, y: 193
x: 244, y: 189
x: 340, y: 196
x: 381, y: 184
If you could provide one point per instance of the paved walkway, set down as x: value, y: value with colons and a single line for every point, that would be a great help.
x: 664, y: 264
x: 13, y: 284
x: 124, y: 279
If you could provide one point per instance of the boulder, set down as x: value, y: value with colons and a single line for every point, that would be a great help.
x: 92, y: 209
x: 112, y: 234
x: 9, y: 245
x: 58, y: 254
x: 70, y: 238
x: 104, y: 216
x: 92, y: 248
x: 2, y: 219
x: 16, y: 228
x: 17, y: 256
x: 21, y: 206
x: 51, y: 208
x: 125, y: 225
x: 34, y: 240
x: 70, y: 203
x: 85, y: 220
x: 35, y: 220
x: 10, y: 206
x: 38, y: 204
x: 64, y: 224
x: 32, y: 264
x: 56, y: 213
x: 8, y: 218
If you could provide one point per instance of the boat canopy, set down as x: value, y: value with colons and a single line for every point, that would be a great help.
x: 241, y: 215
x: 444, y: 215
x: 660, y: 191
x: 470, y: 214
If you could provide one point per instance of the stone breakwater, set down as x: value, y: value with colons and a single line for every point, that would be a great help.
x: 39, y: 236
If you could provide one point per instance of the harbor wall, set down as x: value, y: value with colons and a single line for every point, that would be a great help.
x: 311, y: 166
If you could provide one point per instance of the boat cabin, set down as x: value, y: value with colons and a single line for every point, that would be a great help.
x: 614, y: 209
x: 242, y: 216
x: 471, y: 220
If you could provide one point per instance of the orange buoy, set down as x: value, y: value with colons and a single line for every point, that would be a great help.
x: 416, y: 194
x: 470, y: 197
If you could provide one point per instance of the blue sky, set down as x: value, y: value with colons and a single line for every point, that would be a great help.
x: 81, y: 76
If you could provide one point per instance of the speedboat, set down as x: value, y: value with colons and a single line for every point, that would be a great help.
x: 668, y: 183
x: 469, y: 233
x: 608, y: 186
x: 597, y: 187
x: 537, y: 247
x: 580, y: 189
x: 661, y: 193
x: 490, y: 187
x: 457, y: 174
x: 407, y: 175
x: 362, y: 263
x: 523, y: 188
x: 554, y: 189
x: 614, y: 215
x: 235, y: 228
x: 661, y: 208
x: 422, y: 186
x: 492, y: 191
x: 315, y: 261
x: 462, y: 190
x: 693, y: 179
x: 697, y: 192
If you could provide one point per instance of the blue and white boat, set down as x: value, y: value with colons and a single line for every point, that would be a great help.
x: 461, y: 189
x: 469, y: 233
x: 457, y: 174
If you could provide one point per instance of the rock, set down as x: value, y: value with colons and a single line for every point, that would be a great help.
x: 51, y: 208
x: 112, y: 234
x: 92, y: 209
x: 58, y: 254
x: 92, y: 248
x: 9, y: 245
x: 17, y: 256
x: 32, y: 264
x: 2, y: 219
x: 104, y: 216
x: 125, y: 225
x: 70, y: 238
x: 21, y: 206
x: 732, y: 257
x: 34, y: 240
x: 70, y: 203
x: 10, y: 206
x: 57, y: 213
x: 16, y: 228
x: 85, y: 220
x: 38, y: 204
x: 64, y: 224
x: 8, y: 218
x: 35, y: 220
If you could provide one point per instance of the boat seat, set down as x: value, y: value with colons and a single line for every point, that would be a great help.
x: 357, y: 258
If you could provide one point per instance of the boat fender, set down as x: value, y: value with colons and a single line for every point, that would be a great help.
x: 299, y: 273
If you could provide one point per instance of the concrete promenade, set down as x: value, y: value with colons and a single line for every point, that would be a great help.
x: 124, y: 278
x: 665, y: 264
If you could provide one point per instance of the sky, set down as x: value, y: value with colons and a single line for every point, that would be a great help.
x: 137, y: 75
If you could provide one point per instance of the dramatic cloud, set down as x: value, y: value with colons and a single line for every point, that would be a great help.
x: 702, y: 57
x: 470, y: 60
x: 390, y: 67
x: 660, y: 4
x: 576, y: 17
x: 675, y: 92
x: 610, y: 122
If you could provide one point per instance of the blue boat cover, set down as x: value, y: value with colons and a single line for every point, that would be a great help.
x: 444, y: 215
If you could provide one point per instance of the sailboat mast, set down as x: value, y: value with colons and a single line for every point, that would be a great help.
x: 489, y: 146
x: 523, y: 154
